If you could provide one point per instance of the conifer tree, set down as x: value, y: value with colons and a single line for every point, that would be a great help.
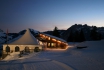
x: 70, y: 38
x: 56, y: 32
x: 76, y: 36
x: 94, y: 33
x: 81, y: 36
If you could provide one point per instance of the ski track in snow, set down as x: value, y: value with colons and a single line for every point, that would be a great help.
x: 71, y: 59
x: 52, y: 60
x: 33, y: 63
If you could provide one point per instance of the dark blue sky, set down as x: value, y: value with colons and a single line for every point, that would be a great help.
x: 44, y: 15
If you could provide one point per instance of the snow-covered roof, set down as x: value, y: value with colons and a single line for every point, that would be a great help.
x: 54, y: 37
x: 35, y: 31
x: 26, y: 39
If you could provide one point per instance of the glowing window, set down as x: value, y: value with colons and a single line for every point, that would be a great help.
x: 53, y: 44
x: 49, y: 38
x: 48, y: 44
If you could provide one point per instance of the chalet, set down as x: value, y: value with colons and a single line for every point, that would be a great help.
x: 28, y: 42
x: 25, y: 43
x: 52, y: 41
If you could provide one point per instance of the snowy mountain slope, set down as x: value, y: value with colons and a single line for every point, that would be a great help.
x: 2, y: 39
x: 87, y: 30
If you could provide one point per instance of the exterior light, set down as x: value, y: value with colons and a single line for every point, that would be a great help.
x: 49, y: 38
x: 54, y: 39
x: 59, y: 41
x: 43, y: 36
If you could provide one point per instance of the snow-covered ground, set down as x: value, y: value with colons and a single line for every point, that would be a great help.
x: 90, y: 58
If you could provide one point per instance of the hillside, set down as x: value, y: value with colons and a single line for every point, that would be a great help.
x: 78, y: 31
x: 75, y: 33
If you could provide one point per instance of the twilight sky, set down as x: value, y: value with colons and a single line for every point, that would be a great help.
x: 43, y: 15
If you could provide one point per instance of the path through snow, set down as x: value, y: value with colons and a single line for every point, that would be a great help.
x: 33, y: 63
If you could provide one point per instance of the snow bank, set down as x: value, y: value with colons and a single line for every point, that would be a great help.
x: 12, y: 56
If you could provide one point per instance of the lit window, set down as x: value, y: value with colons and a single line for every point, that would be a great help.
x: 49, y: 38
x: 48, y: 44
x: 53, y: 44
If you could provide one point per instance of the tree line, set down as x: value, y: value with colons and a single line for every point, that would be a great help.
x: 79, y: 36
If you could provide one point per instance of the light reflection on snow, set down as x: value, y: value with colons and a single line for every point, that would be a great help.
x: 59, y: 48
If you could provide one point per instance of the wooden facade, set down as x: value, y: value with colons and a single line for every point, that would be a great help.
x: 52, y: 42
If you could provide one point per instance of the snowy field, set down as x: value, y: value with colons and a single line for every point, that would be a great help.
x: 90, y: 58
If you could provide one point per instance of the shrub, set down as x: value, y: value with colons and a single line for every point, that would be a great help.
x: 36, y: 49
